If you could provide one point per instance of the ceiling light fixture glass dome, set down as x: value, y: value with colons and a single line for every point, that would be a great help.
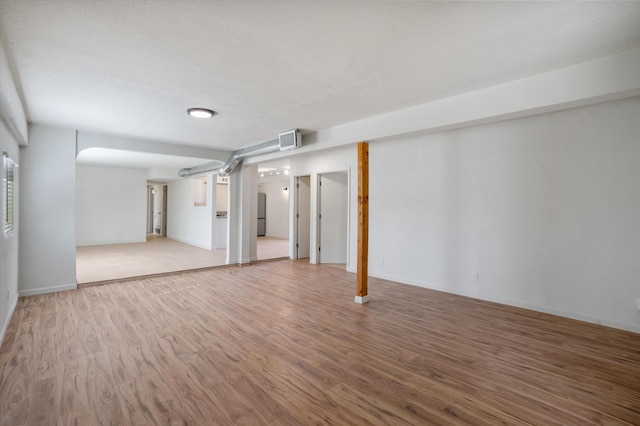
x: 200, y: 112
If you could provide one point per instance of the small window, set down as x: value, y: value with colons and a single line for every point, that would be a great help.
x: 7, y: 194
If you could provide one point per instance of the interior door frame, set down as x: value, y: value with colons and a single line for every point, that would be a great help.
x: 150, y: 206
x: 296, y: 215
x: 318, y: 213
x: 165, y: 191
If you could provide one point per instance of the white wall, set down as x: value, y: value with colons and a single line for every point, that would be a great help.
x: 277, y: 213
x: 111, y: 205
x: 47, y: 211
x: 242, y: 221
x: 187, y: 223
x: 545, y: 209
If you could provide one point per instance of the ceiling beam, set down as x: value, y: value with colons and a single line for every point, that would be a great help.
x: 96, y: 140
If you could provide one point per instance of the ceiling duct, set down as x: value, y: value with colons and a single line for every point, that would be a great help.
x: 252, y: 151
x: 290, y: 139
x: 203, y: 168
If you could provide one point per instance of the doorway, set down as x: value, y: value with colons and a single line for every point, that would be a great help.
x: 332, y: 217
x: 273, y: 209
x: 157, y: 209
x: 303, y: 217
x: 151, y: 197
x: 165, y: 189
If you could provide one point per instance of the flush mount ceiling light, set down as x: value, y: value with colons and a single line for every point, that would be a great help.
x: 200, y: 112
x: 272, y: 171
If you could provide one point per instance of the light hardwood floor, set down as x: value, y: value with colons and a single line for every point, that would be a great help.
x: 283, y: 342
x: 158, y: 255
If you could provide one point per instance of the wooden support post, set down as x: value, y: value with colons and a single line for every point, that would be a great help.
x: 363, y: 224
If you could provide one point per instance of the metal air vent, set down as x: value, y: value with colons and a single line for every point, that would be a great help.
x: 290, y: 139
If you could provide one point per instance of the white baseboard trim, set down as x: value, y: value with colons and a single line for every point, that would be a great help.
x: 104, y: 243
x: 571, y: 315
x: 45, y: 290
x: 238, y: 261
x: 191, y: 243
x: 7, y: 320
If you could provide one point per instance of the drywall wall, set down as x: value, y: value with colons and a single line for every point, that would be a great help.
x: 277, y: 213
x: 47, y: 211
x: 9, y: 244
x: 341, y: 159
x: 111, y: 205
x: 242, y: 223
x: 544, y: 209
x: 187, y: 222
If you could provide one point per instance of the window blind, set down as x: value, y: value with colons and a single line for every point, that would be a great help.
x: 8, y: 193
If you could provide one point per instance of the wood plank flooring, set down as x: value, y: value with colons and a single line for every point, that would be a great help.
x: 283, y: 343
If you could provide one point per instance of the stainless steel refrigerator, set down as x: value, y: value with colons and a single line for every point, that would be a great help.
x: 262, y: 211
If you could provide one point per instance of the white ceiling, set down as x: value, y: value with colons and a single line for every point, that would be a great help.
x: 134, y: 67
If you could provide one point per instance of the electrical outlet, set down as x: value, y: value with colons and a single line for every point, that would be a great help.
x: 474, y: 276
x: 638, y: 304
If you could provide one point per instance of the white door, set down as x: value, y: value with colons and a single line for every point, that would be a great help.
x: 303, y: 217
x: 332, y: 217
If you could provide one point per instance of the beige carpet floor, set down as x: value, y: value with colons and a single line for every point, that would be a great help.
x: 158, y: 255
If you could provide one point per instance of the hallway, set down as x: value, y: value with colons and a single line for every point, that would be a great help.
x: 158, y: 255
